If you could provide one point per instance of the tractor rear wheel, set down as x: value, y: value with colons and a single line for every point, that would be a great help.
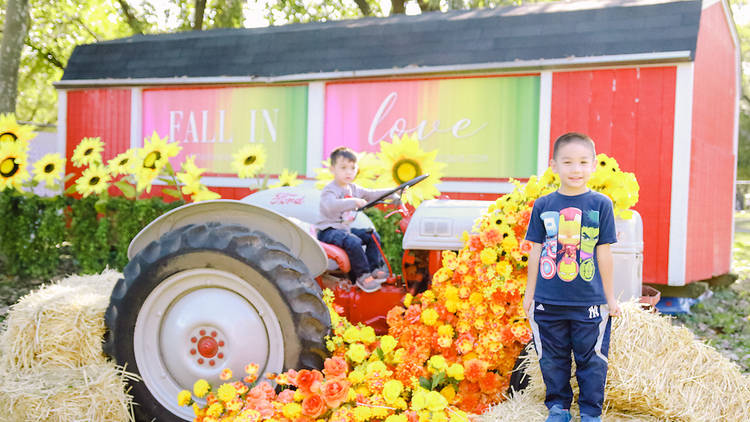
x: 207, y: 297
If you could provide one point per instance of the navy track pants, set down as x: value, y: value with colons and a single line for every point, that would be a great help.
x: 584, y: 331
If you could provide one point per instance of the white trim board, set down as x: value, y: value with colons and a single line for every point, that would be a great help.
x: 545, y: 121
x: 682, y: 144
x: 136, y: 117
x: 62, y: 122
x: 515, y: 65
x: 316, y: 94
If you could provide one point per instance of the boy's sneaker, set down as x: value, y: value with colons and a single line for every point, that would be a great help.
x: 587, y: 418
x: 380, y: 273
x: 368, y: 283
x: 558, y: 414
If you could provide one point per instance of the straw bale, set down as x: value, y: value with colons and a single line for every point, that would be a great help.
x: 58, y: 325
x: 91, y: 393
x: 661, y: 370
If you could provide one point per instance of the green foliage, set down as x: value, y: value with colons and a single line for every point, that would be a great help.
x: 390, y: 239
x: 35, y: 232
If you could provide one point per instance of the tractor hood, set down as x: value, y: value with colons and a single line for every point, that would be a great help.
x: 297, y: 236
x: 438, y: 224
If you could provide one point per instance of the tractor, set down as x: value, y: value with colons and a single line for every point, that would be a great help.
x: 219, y: 284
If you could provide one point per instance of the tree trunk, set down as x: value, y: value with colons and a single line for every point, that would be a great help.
x: 200, y: 7
x: 133, y: 22
x: 364, y: 7
x: 15, y: 31
x: 397, y: 7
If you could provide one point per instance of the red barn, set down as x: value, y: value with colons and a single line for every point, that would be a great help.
x: 654, y: 82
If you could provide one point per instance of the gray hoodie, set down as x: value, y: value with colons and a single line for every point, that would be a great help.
x: 337, y: 204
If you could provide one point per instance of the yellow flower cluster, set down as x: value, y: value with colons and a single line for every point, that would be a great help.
x: 621, y: 187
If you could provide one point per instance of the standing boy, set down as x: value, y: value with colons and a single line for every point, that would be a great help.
x: 569, y: 295
x: 338, y: 203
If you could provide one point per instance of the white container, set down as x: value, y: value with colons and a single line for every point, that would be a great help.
x: 627, y: 255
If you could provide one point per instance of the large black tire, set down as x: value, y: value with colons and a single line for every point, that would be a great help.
x: 259, y: 286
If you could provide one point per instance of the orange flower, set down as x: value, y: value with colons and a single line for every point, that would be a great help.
x: 286, y: 396
x: 490, y: 383
x: 475, y: 369
x: 525, y: 247
x: 313, y: 405
x: 334, y: 392
x: 226, y: 374
x: 413, y: 314
x: 335, y: 367
x: 309, y: 381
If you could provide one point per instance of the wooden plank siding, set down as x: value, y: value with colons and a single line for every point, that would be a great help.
x: 712, y: 160
x: 103, y: 113
x: 629, y: 113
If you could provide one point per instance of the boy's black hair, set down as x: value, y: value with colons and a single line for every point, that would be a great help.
x: 342, y: 152
x: 571, y: 137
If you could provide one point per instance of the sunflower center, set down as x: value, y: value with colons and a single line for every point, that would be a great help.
x: 249, y: 160
x: 406, y: 169
x: 8, y: 136
x: 49, y: 168
x: 123, y: 161
x: 150, y: 161
x: 94, y: 181
x: 88, y: 151
x: 8, y: 167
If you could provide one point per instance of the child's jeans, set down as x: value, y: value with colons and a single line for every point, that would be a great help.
x: 558, y: 330
x: 361, y: 261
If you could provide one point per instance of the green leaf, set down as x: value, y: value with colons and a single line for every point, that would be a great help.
x: 101, y: 205
x: 425, y: 383
x: 380, y: 353
x: 71, y: 190
x: 68, y: 177
x: 171, y: 192
x: 437, y: 379
x: 126, y: 188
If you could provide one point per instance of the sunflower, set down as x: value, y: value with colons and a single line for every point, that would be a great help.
x: 13, y: 161
x: 122, y: 164
x: 403, y: 160
x: 88, y: 152
x: 11, y: 131
x: 205, y: 195
x: 287, y: 178
x: 151, y: 159
x: 249, y: 161
x: 93, y: 180
x: 49, y: 169
x: 190, y: 176
x: 368, y: 166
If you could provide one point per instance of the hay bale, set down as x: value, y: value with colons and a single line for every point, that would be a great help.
x: 58, y: 325
x: 657, y: 371
x: 89, y: 393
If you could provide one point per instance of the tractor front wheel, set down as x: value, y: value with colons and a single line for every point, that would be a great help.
x: 207, y: 297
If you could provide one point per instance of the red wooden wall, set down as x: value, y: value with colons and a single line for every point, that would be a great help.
x: 712, y: 159
x: 629, y: 113
x: 103, y: 113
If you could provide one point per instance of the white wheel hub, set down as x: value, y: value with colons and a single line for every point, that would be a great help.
x: 196, y: 323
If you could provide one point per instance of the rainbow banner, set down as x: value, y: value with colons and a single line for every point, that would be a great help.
x: 482, y: 127
x: 214, y: 123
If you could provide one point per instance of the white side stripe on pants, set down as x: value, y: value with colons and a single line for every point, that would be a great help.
x: 604, y: 312
x: 535, y: 331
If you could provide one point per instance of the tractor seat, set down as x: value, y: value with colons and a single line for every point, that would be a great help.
x: 337, y: 257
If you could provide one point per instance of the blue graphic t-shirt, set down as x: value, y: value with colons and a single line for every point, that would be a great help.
x: 569, y: 228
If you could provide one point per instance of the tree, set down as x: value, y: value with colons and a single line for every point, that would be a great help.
x: 14, y: 32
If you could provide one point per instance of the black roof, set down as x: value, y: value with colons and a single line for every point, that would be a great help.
x: 539, y: 31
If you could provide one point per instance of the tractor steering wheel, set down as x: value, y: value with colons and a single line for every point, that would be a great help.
x: 400, y: 187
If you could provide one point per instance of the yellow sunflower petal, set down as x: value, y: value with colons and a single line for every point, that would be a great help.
x: 94, y: 180
x: 11, y: 131
x: 287, y: 178
x: 88, y: 152
x: 49, y: 169
x: 13, y: 165
x: 205, y: 195
x: 122, y: 163
x: 190, y: 176
x: 249, y: 160
x: 402, y: 160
